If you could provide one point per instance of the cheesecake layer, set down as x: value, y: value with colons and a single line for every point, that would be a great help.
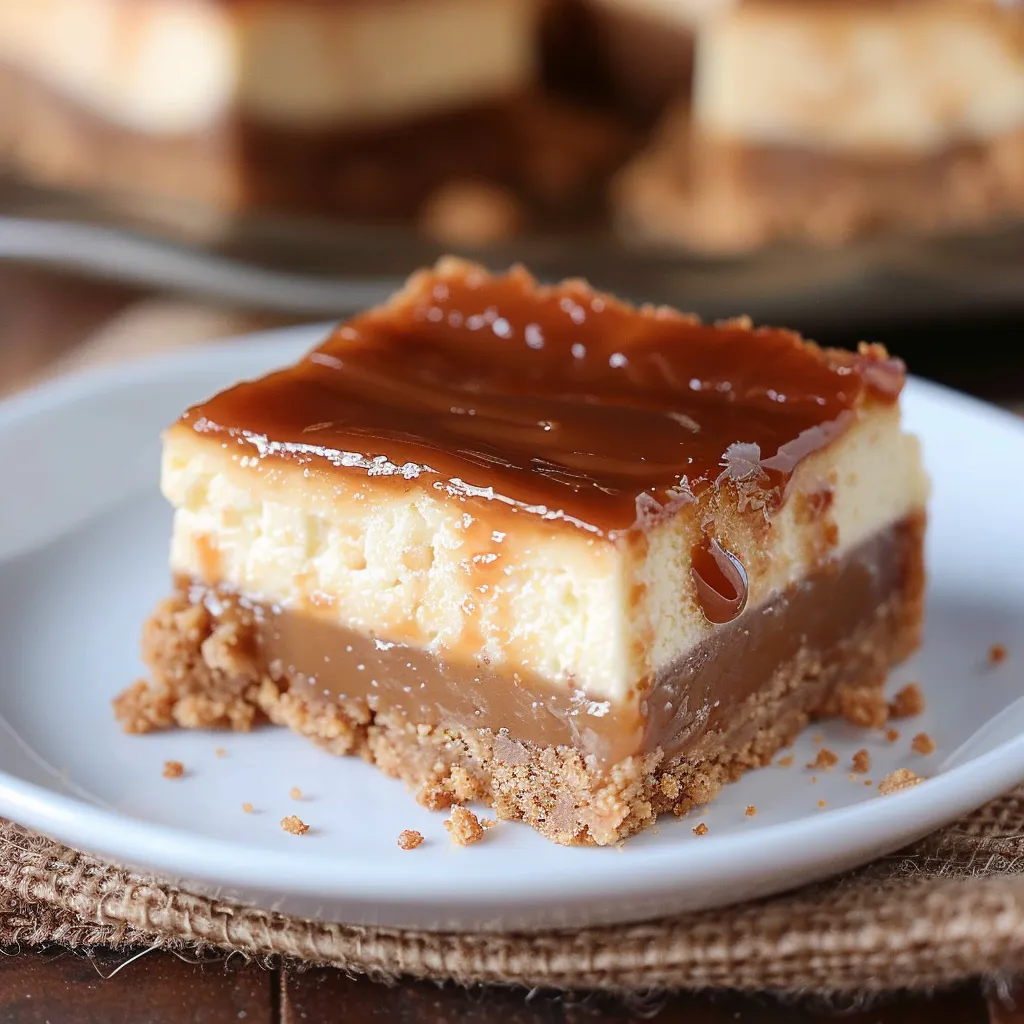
x: 296, y: 64
x: 576, y: 776
x: 866, y: 79
x: 499, y: 490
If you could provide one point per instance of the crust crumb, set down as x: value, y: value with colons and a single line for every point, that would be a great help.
x: 750, y: 811
x: 902, y: 778
x: 908, y: 702
x: 997, y: 654
x: 821, y: 803
x: 247, y: 807
x: 825, y: 759
x: 669, y: 786
x: 295, y: 825
x: 863, y: 706
x: 220, y: 752
x: 471, y: 214
x: 785, y: 762
x: 409, y: 839
x: 868, y: 782
x: 922, y: 743
x: 295, y: 793
x: 862, y: 761
x: 700, y: 830
x: 892, y: 735
x: 173, y: 769
x: 464, y: 826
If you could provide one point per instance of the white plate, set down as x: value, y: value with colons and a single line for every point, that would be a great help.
x: 83, y: 542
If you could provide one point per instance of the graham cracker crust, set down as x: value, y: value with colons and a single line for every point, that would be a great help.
x: 716, y: 195
x: 206, y: 674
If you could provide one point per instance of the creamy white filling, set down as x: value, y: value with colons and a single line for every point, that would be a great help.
x: 890, y: 78
x: 172, y: 67
x: 556, y: 602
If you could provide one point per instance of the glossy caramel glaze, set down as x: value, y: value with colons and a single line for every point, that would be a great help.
x: 560, y: 402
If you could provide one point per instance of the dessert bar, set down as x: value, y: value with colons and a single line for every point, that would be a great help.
x: 530, y: 545
x: 357, y: 108
x: 832, y: 120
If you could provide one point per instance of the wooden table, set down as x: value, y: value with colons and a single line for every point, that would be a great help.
x: 50, y: 324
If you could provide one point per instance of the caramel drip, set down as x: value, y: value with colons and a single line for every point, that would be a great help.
x: 558, y: 402
x: 720, y: 581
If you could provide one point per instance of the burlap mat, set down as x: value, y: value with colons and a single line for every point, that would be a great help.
x: 949, y: 908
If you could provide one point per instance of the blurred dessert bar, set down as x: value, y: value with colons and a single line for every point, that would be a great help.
x: 359, y: 108
x: 823, y: 121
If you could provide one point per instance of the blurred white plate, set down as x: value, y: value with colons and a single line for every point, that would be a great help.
x: 83, y: 542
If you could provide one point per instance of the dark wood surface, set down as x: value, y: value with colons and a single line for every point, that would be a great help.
x: 159, y: 988
x: 48, y: 324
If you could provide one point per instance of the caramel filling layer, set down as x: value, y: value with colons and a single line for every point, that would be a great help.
x: 677, y: 710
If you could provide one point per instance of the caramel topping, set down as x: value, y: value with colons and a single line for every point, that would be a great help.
x: 560, y: 402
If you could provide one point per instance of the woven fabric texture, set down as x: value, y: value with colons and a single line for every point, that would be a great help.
x: 948, y: 908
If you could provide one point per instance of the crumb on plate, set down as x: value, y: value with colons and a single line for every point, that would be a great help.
x: 471, y: 214
x: 750, y: 811
x: 295, y: 825
x: 821, y: 803
x: 892, y: 735
x: 409, y: 839
x: 864, y: 706
x: 247, y: 807
x: 907, y: 702
x: 825, y: 759
x: 488, y: 822
x: 785, y: 762
x: 902, y: 778
x: 464, y: 826
x: 997, y: 654
x: 922, y: 743
x: 220, y: 752
x: 295, y: 793
x: 700, y: 829
x: 173, y: 769
x: 862, y: 761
